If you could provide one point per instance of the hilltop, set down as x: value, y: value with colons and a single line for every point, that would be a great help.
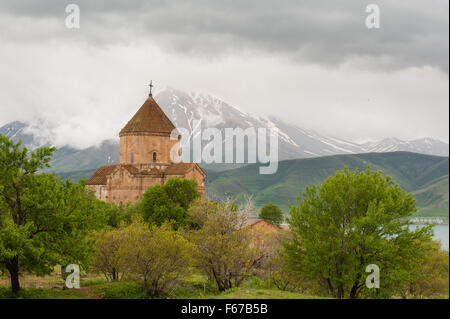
x: 423, y: 175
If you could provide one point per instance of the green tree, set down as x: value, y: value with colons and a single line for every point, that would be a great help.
x: 272, y: 213
x: 169, y: 202
x: 43, y: 220
x: 353, y: 220
x: 182, y: 192
x: 115, y: 214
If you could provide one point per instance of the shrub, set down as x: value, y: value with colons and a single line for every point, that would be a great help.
x: 433, y: 278
x: 223, y: 246
x: 107, y: 259
x: 158, y: 257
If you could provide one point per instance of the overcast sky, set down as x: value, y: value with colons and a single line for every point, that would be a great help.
x: 313, y: 63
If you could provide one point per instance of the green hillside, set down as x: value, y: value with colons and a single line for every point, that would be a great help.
x: 433, y: 198
x: 75, y: 176
x: 425, y: 176
x: 70, y: 160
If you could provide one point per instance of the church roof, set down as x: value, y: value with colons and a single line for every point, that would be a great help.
x: 99, y: 177
x: 181, y: 168
x: 149, y: 119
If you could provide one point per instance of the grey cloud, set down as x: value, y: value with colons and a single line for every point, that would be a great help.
x: 413, y: 33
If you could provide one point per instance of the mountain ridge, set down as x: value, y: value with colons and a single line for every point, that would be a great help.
x: 183, y: 108
x: 294, y: 175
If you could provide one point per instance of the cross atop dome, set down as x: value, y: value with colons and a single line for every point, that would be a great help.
x: 151, y: 86
x: 149, y: 119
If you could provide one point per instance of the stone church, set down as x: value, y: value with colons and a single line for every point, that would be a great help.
x: 145, y: 148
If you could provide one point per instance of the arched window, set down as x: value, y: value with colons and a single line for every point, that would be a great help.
x: 154, y: 157
x: 132, y: 157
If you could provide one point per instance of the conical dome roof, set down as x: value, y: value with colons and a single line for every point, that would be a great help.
x: 149, y: 119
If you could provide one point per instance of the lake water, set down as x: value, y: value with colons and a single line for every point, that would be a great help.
x: 440, y: 233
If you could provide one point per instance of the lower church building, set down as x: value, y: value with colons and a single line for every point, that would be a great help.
x: 145, y: 148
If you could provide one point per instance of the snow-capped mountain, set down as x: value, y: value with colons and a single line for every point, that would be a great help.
x: 22, y: 131
x: 294, y: 142
x: 66, y: 158
x: 185, y: 108
x: 423, y: 145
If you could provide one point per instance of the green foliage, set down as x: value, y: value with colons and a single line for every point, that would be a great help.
x: 157, y: 257
x: 169, y: 202
x: 182, y: 192
x: 353, y: 220
x: 107, y: 259
x: 116, y: 215
x: 272, y: 213
x: 43, y: 221
x: 433, y: 279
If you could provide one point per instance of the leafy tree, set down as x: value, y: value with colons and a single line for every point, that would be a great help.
x: 182, y: 192
x: 115, y: 214
x: 158, y: 257
x: 43, y: 220
x: 353, y: 220
x: 272, y: 213
x: 224, y: 248
x: 169, y: 202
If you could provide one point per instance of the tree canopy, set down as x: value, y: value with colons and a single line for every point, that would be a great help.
x: 352, y: 220
x: 43, y: 220
x: 271, y: 213
x: 169, y: 202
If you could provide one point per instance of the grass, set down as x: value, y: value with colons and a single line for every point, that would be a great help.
x: 194, y: 287
x: 249, y: 293
x: 198, y: 287
x: 40, y: 293
x: 117, y: 290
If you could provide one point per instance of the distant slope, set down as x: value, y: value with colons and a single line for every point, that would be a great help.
x: 75, y: 176
x: 419, y: 173
x: 425, y: 176
x: 433, y: 198
x: 86, y: 159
